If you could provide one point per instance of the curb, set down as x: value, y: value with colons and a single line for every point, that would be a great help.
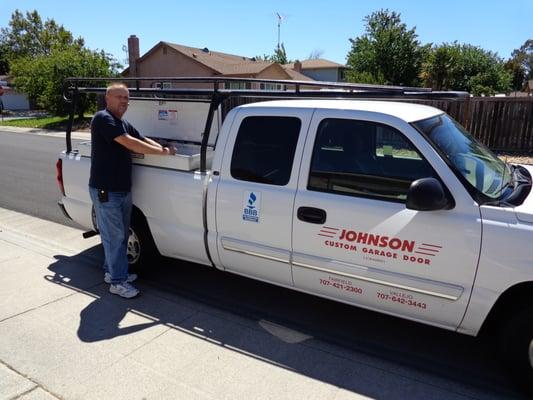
x: 82, y: 135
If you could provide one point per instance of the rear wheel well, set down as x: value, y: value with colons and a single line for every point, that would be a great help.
x: 141, y: 245
x: 137, y: 214
x: 510, y: 302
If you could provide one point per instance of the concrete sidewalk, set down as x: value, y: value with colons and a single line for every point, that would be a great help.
x: 62, y: 335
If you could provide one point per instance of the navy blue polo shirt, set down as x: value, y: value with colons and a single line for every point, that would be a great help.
x: 110, y: 161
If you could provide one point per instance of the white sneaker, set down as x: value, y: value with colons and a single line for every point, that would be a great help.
x: 124, y: 289
x: 131, y: 277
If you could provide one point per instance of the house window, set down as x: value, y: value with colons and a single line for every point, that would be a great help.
x: 272, y: 86
x: 166, y: 85
x: 238, y: 85
x: 342, y: 75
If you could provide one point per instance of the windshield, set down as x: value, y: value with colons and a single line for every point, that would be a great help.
x: 481, y: 168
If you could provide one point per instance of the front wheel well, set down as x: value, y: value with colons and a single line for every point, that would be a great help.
x: 510, y: 302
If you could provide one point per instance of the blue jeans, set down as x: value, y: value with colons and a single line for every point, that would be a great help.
x: 113, y: 219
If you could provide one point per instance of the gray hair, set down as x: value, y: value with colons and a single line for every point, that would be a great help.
x: 114, y: 86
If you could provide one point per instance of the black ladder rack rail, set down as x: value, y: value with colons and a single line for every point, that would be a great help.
x: 73, y: 87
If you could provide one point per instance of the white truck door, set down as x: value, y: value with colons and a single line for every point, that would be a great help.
x: 354, y: 239
x: 256, y: 190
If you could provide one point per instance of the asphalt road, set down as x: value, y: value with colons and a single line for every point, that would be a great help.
x: 28, y: 175
x: 27, y: 182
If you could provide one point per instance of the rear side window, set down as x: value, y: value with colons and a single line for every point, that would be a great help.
x: 264, y: 149
x: 361, y: 158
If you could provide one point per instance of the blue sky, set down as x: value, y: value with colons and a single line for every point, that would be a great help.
x: 249, y: 28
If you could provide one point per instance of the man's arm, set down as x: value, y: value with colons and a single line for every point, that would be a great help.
x: 143, y: 147
x: 152, y: 142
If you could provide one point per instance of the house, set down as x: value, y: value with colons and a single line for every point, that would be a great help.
x: 174, y: 60
x: 319, y: 69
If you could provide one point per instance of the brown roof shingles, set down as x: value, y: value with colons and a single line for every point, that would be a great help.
x: 225, y: 64
x: 295, y: 75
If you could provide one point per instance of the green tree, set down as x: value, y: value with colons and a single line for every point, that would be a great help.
x: 388, y: 52
x: 465, y: 67
x: 29, y: 36
x: 4, y: 63
x: 279, y: 56
x: 42, y: 77
x: 520, y: 65
x: 41, y: 55
x: 518, y: 73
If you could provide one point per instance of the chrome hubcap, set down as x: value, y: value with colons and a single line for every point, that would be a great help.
x: 134, y: 248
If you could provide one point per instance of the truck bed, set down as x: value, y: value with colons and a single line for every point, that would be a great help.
x: 171, y: 200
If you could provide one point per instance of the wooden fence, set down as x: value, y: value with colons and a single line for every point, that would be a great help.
x: 501, y: 123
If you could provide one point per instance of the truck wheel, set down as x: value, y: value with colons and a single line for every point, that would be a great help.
x: 141, y: 246
x: 517, y: 347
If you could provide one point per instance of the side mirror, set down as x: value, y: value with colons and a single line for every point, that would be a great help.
x: 427, y: 194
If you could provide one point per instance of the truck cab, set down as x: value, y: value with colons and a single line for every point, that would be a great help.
x: 313, y: 194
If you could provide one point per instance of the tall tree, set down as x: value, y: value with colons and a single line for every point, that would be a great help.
x: 40, y: 55
x: 388, y: 52
x: 465, y: 67
x: 27, y: 35
x: 518, y: 73
x: 279, y: 56
x: 520, y: 65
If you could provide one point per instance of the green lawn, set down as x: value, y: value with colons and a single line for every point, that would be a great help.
x: 56, y: 123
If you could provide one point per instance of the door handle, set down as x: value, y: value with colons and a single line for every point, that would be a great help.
x: 312, y: 215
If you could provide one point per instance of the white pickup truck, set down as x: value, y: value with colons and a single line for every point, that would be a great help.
x: 389, y: 206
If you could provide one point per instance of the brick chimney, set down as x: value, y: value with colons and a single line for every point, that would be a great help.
x: 298, y: 66
x: 133, y: 53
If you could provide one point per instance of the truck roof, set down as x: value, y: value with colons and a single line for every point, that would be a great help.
x: 408, y: 112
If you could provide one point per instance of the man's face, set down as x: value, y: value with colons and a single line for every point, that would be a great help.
x: 117, y: 101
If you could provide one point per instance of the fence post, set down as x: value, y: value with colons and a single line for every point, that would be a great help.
x: 466, y: 113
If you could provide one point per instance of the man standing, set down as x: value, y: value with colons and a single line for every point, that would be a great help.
x: 112, y: 141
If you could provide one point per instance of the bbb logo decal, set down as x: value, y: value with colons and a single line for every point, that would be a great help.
x: 251, y: 206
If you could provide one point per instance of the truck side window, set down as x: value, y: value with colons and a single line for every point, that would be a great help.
x: 264, y: 149
x: 361, y: 158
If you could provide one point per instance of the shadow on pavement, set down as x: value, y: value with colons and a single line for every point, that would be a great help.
x: 355, y: 349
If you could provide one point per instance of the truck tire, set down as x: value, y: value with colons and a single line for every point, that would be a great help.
x: 141, y: 247
x: 516, y: 347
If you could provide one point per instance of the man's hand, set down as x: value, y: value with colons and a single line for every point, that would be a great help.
x: 167, y: 150
x: 144, y: 147
x: 170, y: 150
